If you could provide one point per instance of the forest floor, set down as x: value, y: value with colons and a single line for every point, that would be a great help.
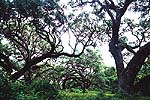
x: 98, y: 95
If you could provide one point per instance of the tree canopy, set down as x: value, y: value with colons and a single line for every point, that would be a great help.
x: 34, y: 30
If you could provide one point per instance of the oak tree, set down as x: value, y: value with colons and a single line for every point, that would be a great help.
x: 111, y: 15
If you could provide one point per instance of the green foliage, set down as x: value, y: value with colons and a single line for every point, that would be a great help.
x: 84, y: 72
x: 120, y: 95
x: 111, y: 78
x: 23, y: 24
x: 145, y: 70
x: 75, y: 90
x: 38, y: 90
x: 32, y: 96
x: 44, y: 89
x: 99, y: 95
x: 5, y: 87
x: 65, y: 95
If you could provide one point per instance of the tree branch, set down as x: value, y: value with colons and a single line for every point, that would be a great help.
x: 135, y: 65
x: 126, y: 5
x: 5, y: 63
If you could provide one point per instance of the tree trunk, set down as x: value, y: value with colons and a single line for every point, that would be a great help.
x: 116, y: 52
x: 28, y: 77
x: 21, y: 72
x: 134, y: 67
x: 126, y: 76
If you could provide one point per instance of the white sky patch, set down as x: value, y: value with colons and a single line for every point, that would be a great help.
x: 106, y: 55
x: 67, y: 39
x: 4, y: 41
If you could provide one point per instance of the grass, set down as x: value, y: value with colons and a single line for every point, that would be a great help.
x: 89, y: 93
x: 109, y: 94
x: 67, y: 95
x: 98, y: 95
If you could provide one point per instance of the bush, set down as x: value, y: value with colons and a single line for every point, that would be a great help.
x: 31, y: 96
x: 45, y: 89
x: 6, y: 91
x: 38, y: 90
x: 7, y: 87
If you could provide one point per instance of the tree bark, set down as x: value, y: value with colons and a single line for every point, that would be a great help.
x: 21, y: 72
x: 36, y: 60
x: 116, y: 52
x: 6, y: 64
x: 134, y: 67
x: 126, y: 76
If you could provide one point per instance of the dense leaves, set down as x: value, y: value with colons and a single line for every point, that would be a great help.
x: 38, y: 90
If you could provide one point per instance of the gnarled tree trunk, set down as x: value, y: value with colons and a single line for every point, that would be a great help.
x: 126, y: 76
x: 134, y: 66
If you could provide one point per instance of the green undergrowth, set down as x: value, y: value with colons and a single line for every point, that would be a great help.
x: 99, y: 95
x: 78, y: 95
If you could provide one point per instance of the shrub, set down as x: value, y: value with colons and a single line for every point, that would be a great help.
x: 38, y: 90
x: 31, y: 96
x: 45, y: 89
x: 6, y: 92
